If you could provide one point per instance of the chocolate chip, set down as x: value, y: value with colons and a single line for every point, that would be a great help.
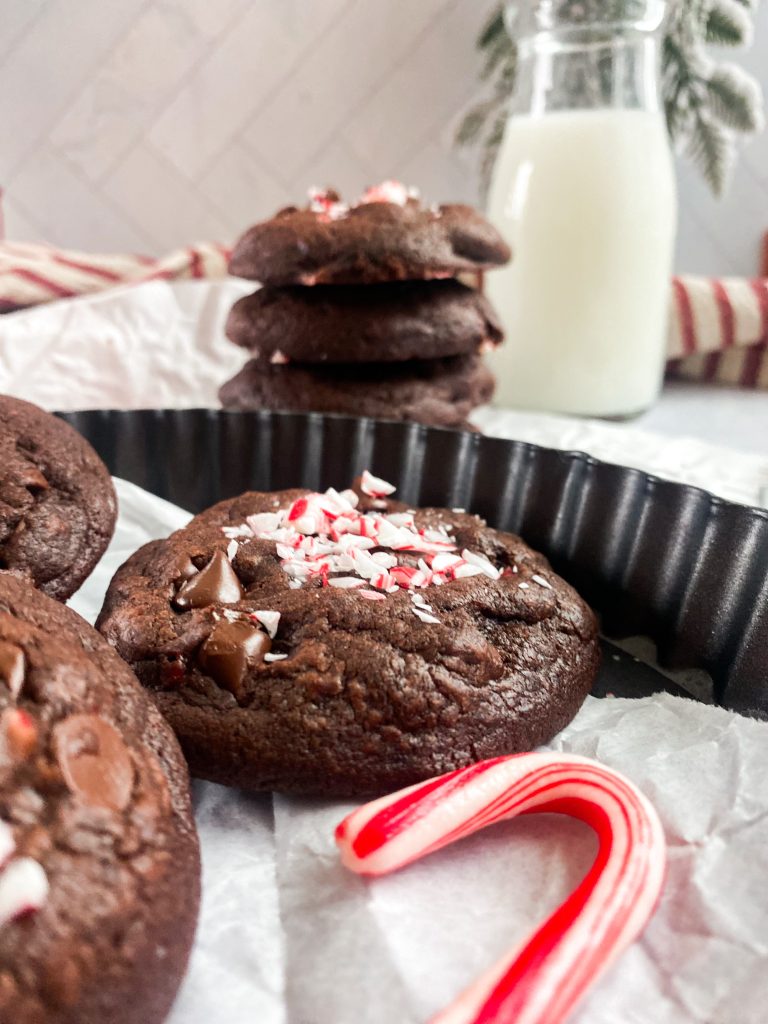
x: 229, y: 651
x: 217, y: 583
x: 95, y: 761
x: 184, y: 569
x: 12, y: 667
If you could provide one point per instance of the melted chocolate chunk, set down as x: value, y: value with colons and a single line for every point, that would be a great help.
x: 12, y: 667
x: 95, y: 762
x: 217, y: 583
x: 184, y: 570
x: 230, y: 650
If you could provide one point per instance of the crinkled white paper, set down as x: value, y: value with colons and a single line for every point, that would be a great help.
x: 287, y: 936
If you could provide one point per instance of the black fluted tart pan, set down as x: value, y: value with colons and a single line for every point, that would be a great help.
x: 654, y: 558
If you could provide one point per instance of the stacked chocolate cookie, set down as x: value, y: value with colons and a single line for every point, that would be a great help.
x: 361, y: 311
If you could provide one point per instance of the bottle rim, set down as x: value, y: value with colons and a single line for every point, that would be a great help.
x: 527, y: 20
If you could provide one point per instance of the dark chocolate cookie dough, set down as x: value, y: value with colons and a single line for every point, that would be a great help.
x: 378, y: 323
x: 438, y: 392
x: 57, y: 502
x: 374, y: 241
x: 299, y: 643
x: 99, y: 887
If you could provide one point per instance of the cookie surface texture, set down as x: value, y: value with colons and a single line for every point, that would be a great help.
x: 99, y: 861
x: 343, y: 645
x: 379, y: 323
x: 57, y: 501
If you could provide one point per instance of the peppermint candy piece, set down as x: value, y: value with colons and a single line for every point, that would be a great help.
x: 269, y: 620
x: 7, y: 844
x: 327, y: 203
x: 374, y: 486
x: 23, y: 889
x: 483, y: 564
x: 389, y: 191
x: 541, y: 980
x: 346, y: 582
x: 541, y: 581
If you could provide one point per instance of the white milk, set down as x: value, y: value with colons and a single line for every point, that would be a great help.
x: 587, y: 201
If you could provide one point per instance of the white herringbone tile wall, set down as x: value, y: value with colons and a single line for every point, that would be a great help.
x: 147, y: 124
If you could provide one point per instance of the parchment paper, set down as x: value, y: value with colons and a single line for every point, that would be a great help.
x: 287, y: 936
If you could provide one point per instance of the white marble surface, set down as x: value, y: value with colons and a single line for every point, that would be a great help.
x: 726, y: 416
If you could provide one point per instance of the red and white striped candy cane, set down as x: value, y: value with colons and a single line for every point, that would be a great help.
x: 539, y: 981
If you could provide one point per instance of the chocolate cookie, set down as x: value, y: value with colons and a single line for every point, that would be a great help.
x: 341, y: 645
x: 57, y: 502
x: 352, y: 324
x: 99, y: 863
x: 388, y: 235
x: 438, y: 392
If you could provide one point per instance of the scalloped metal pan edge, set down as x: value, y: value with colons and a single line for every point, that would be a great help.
x: 654, y: 557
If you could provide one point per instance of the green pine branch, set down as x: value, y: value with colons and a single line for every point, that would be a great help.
x: 706, y: 104
x: 711, y: 148
x: 733, y: 100
x: 727, y: 24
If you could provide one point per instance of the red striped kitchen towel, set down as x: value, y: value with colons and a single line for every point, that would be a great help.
x: 718, y: 326
x: 719, y: 330
x: 34, y: 273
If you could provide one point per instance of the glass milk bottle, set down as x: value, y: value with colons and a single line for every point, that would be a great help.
x: 583, y: 191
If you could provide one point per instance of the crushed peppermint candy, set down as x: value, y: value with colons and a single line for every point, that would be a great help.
x: 23, y: 889
x: 279, y: 358
x: 326, y: 538
x: 541, y: 581
x: 269, y: 620
x: 232, y: 549
x: 522, y: 586
x: 327, y: 203
x: 374, y: 486
x: 388, y: 192
x: 274, y: 657
x: 23, y: 882
x: 7, y: 844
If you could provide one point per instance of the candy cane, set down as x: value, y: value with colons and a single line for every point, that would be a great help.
x: 540, y: 981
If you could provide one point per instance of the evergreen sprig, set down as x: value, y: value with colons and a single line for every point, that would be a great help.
x: 707, y: 103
